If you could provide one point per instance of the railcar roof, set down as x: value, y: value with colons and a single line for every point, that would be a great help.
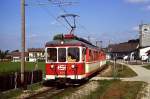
x: 70, y: 42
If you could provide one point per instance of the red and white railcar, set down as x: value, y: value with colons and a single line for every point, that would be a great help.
x: 72, y: 58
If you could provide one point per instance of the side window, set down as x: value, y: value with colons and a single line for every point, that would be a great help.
x: 83, y: 54
x: 94, y: 55
x: 91, y: 55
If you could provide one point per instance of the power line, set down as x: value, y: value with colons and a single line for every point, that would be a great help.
x: 58, y: 4
x: 82, y: 26
x: 50, y: 14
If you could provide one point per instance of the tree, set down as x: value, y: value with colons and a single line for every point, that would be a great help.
x: 58, y: 37
x: 15, y: 51
x: 3, y: 54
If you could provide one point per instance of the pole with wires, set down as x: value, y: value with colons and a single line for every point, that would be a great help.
x: 22, y: 41
x: 73, y: 26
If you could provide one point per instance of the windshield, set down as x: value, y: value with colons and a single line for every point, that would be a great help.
x: 73, y: 55
x: 62, y: 54
x: 51, y: 54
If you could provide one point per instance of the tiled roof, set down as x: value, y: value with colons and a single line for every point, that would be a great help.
x: 18, y: 54
x: 123, y: 47
x: 35, y: 49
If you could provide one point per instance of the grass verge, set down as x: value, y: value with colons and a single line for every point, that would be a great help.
x: 12, y: 94
x: 120, y: 71
x: 116, y: 89
x: 107, y: 89
x: 147, y: 66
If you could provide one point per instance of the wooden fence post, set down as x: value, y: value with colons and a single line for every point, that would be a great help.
x: 32, y: 77
x: 15, y: 80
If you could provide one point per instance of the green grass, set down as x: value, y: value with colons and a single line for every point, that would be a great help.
x: 147, y: 66
x: 103, y: 86
x: 125, y: 71
x: 10, y: 94
x: 8, y: 67
x: 120, y: 71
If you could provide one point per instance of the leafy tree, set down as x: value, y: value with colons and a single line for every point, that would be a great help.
x: 3, y: 54
x: 58, y: 37
x: 15, y: 51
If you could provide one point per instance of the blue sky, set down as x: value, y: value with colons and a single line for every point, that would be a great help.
x: 103, y: 20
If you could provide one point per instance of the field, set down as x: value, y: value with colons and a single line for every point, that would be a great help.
x: 8, y: 67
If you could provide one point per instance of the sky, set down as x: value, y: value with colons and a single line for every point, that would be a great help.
x: 109, y: 21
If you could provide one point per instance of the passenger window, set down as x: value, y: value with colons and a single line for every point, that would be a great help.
x: 83, y: 54
x: 73, y: 55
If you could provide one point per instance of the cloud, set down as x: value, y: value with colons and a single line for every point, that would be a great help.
x: 144, y: 2
x: 31, y: 36
x: 136, y: 28
x: 148, y: 7
x: 137, y: 1
x: 53, y: 22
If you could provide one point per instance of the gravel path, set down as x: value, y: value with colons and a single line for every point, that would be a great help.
x: 143, y: 73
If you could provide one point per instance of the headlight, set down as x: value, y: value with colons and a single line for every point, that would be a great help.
x: 52, y: 66
x: 73, y: 66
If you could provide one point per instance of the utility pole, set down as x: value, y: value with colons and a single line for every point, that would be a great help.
x: 114, y: 68
x: 89, y: 39
x: 100, y: 42
x: 22, y: 40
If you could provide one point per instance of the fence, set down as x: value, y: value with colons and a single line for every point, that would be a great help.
x: 11, y: 81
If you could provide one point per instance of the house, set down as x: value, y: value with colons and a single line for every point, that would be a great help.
x: 129, y: 49
x: 144, y: 31
x: 148, y: 54
x: 143, y: 53
x: 16, y: 56
x: 36, y: 54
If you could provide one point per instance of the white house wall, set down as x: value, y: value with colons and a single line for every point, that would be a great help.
x: 18, y: 59
x: 143, y: 54
x: 33, y: 56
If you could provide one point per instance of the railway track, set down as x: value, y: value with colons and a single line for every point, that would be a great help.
x: 48, y: 94
x: 51, y: 92
x: 58, y: 88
